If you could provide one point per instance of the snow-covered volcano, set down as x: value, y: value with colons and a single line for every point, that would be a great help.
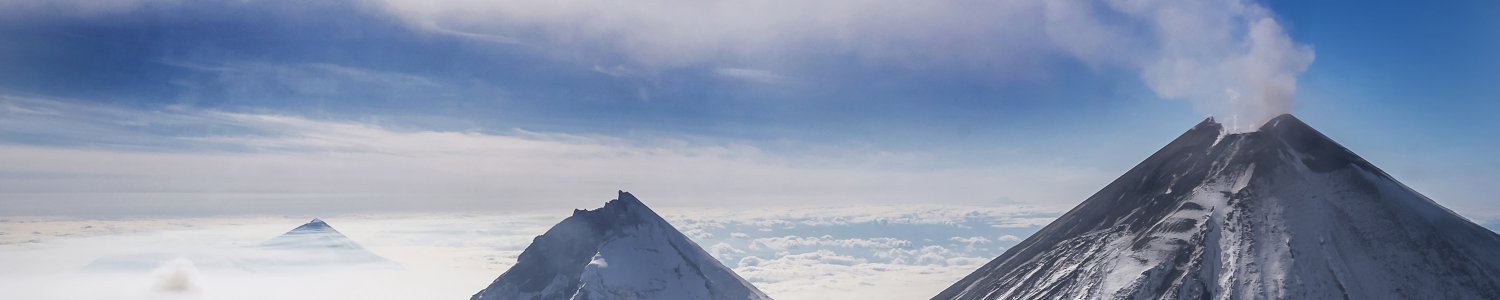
x: 620, y: 251
x: 1281, y: 213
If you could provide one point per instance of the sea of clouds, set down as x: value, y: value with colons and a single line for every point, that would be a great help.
x: 879, y: 252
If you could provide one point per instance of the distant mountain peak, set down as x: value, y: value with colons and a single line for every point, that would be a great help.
x: 313, y: 244
x: 317, y: 242
x: 315, y: 233
x: 314, y: 225
x: 622, y: 250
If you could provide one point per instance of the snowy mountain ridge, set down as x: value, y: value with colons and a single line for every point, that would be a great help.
x: 620, y: 251
x: 1283, y: 212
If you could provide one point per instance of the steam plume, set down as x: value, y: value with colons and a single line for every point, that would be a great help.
x: 1231, y: 58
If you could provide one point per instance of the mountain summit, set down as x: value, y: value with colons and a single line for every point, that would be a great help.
x: 314, y: 234
x: 317, y: 243
x: 1280, y: 213
x: 620, y: 251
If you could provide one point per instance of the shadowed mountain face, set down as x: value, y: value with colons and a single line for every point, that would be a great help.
x: 1281, y: 213
x: 620, y: 251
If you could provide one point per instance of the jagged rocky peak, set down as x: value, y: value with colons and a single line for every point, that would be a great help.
x: 625, y: 209
x: 623, y: 250
x: 1282, y: 212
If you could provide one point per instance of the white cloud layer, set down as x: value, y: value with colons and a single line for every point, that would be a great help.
x: 858, y: 252
x: 445, y: 256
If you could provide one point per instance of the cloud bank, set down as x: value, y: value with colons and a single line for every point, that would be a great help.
x: 1230, y: 58
x: 791, y: 252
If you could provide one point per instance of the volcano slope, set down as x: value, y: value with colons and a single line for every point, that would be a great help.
x: 1280, y: 213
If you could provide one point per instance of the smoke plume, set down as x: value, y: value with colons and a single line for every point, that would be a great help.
x: 1230, y: 58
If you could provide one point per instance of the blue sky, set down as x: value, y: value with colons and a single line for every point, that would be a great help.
x: 1054, y: 98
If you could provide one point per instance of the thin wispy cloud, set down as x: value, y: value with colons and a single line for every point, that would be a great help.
x: 183, y: 155
x: 753, y: 75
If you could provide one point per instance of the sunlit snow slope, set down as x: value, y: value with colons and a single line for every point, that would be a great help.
x: 1281, y: 213
x: 620, y: 251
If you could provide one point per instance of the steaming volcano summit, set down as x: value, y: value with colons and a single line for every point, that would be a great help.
x: 1282, y: 213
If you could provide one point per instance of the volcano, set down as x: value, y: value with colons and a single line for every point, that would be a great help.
x: 314, y: 243
x: 1280, y: 213
x: 620, y: 251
